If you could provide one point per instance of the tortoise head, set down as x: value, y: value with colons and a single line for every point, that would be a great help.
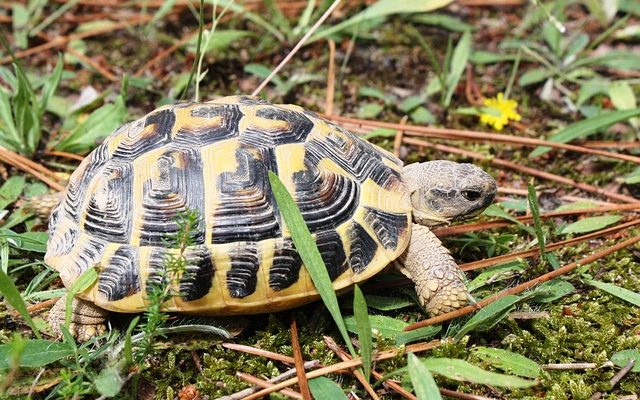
x: 444, y: 191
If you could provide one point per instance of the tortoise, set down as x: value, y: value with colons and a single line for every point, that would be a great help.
x: 364, y: 209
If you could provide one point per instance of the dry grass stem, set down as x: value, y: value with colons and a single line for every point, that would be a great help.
x: 297, y: 47
x: 286, y: 375
x: 64, y: 154
x: 366, y: 126
x: 394, y: 386
x: 265, y: 384
x: 569, y: 366
x: 482, y: 226
x: 259, y: 352
x: 524, y: 286
x: 331, y: 78
x: 45, y: 175
x: 470, y: 266
x: 346, y: 357
x: 60, y: 41
x: 397, y: 141
x: 299, y: 362
x: 565, y: 198
x: 346, y: 365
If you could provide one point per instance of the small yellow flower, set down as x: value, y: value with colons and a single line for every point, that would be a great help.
x: 497, y: 112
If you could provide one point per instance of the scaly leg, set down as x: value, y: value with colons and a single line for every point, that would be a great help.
x: 438, y: 279
x: 87, y: 319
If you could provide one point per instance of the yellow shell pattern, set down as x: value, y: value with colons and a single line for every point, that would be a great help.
x: 123, y: 201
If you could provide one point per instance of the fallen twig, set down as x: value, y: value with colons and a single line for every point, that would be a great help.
x: 345, y: 365
x: 523, y: 286
x: 617, y: 378
x: 331, y: 344
x: 45, y: 175
x: 482, y: 226
x: 366, y: 126
x: 64, y: 154
x: 299, y: 362
x: 265, y: 384
x: 331, y: 78
x: 569, y: 366
x: 259, y: 352
x: 567, y: 198
x: 287, y: 374
x: 59, y: 41
x: 473, y: 265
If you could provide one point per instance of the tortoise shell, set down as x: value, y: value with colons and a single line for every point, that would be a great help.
x: 124, y: 200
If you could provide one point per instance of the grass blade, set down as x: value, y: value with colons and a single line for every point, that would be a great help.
x: 591, y: 224
x: 586, y: 127
x: 537, y: 222
x: 309, y: 253
x: 36, y: 353
x: 621, y: 293
x: 461, y: 370
x: 84, y: 281
x: 487, y: 317
x: 11, y: 190
x: 364, y: 330
x: 423, y: 383
x: 508, y: 361
x: 458, y: 64
x: 381, y: 8
x: 13, y: 297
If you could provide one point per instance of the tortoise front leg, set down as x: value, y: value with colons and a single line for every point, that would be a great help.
x: 439, y: 281
x: 87, y: 319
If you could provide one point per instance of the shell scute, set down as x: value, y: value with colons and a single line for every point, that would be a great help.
x: 125, y: 199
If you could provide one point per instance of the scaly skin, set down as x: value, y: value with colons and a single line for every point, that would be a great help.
x: 87, y: 320
x: 439, y: 282
x: 441, y: 191
x: 43, y: 205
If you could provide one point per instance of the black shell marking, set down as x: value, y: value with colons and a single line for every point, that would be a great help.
x: 325, y: 198
x: 108, y: 214
x: 354, y: 155
x: 285, y: 269
x: 197, y: 278
x: 299, y: 126
x: 179, y: 187
x: 332, y: 252
x: 158, y: 260
x: 77, y: 187
x: 119, y: 278
x: 136, y: 142
x: 242, y: 277
x: 247, y: 210
x: 363, y: 248
x: 132, y: 189
x: 62, y: 242
x: 387, y: 226
x: 203, y: 135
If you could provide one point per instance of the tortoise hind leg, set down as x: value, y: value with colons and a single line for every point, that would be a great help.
x: 87, y: 319
x: 43, y: 205
x: 439, y: 281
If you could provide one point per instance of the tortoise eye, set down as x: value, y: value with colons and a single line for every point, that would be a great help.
x: 471, y: 195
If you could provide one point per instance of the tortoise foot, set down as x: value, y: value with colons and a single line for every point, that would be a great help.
x: 87, y: 320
